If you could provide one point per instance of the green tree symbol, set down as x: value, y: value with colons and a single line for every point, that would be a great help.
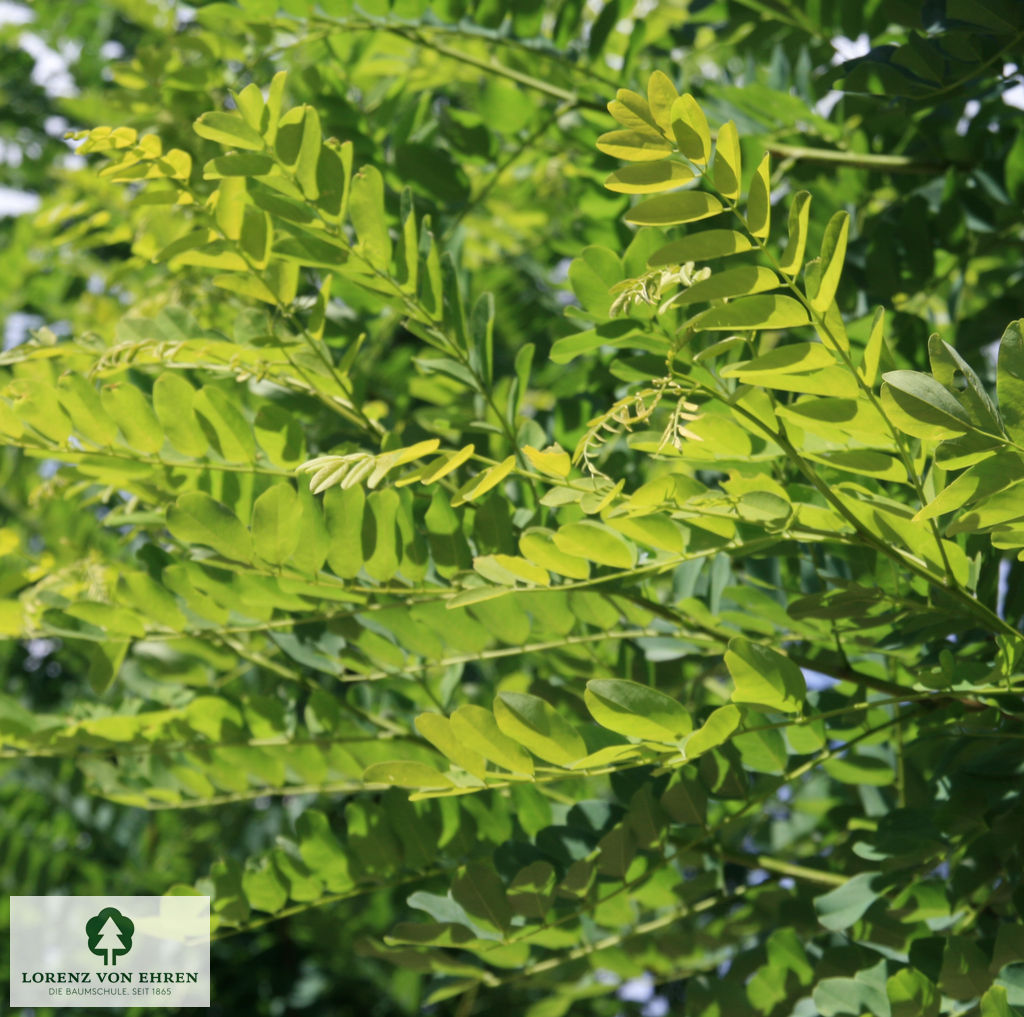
x: 110, y: 934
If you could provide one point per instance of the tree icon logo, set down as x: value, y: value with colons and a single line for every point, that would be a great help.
x: 110, y: 935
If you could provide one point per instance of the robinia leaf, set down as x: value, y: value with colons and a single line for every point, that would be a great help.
x: 476, y: 728
x: 727, y: 167
x: 196, y: 518
x: 690, y: 127
x: 759, y: 201
x: 406, y: 773
x: 674, y: 209
x: 764, y: 677
x: 535, y: 724
x: 637, y: 711
x: 833, y: 253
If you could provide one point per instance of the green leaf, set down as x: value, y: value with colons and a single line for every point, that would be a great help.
x: 873, y: 350
x: 759, y: 200
x: 256, y: 236
x: 537, y: 544
x: 553, y: 461
x: 994, y: 1003
x: 484, y: 481
x: 225, y: 426
x: 195, y: 518
x: 840, y: 908
x: 750, y: 313
x: 713, y: 732
x: 529, y: 893
x: 922, y: 407
x: 82, y: 402
x: 343, y: 515
x: 228, y: 129
x: 690, y: 127
x: 380, y: 538
x: 406, y: 773
x: 702, y: 246
x: 655, y: 530
x: 649, y: 177
x: 1010, y: 379
x: 366, y: 208
x: 727, y: 169
x: 437, y: 729
x: 674, y: 209
x: 535, y: 724
x: 661, y: 94
x: 263, y: 887
x: 764, y: 677
x: 911, y: 994
x: 637, y: 711
x: 595, y: 542
x: 309, y: 153
x: 276, y: 524
x: 833, y: 255
x: 733, y: 282
x: 482, y: 894
x: 134, y: 416
x: 792, y: 358
x: 320, y: 850
x: 476, y: 728
x: 634, y: 146
x: 799, y: 222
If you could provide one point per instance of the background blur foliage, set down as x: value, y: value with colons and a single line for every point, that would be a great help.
x: 383, y: 240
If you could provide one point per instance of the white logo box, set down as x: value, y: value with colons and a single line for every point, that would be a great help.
x: 110, y: 951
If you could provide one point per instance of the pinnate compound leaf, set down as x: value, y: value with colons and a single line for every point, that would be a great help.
x: 921, y: 406
x: 840, y: 908
x: 912, y: 994
x: 713, y: 732
x: 538, y: 546
x: 479, y: 890
x: 748, y: 313
x: 228, y: 129
x: 994, y: 1003
x: 636, y: 710
x: 702, y: 246
x: 649, y: 177
x: 276, y: 523
x: 476, y: 728
x: 674, y: 209
x: 833, y: 254
x: 196, y: 518
x: 634, y: 146
x: 759, y: 200
x: 793, y: 358
x: 764, y: 677
x: 799, y: 222
x: 873, y: 350
x: 733, y: 282
x: 1010, y: 379
x: 407, y: 773
x: 437, y: 729
x: 535, y: 724
x: 690, y: 127
x: 597, y: 543
x: 661, y: 94
x: 553, y: 461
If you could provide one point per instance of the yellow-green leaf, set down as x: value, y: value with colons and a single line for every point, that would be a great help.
x: 690, y: 127
x: 535, y: 724
x: 674, y: 209
x: 649, y: 177
x: 728, y: 164
x: 759, y: 201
